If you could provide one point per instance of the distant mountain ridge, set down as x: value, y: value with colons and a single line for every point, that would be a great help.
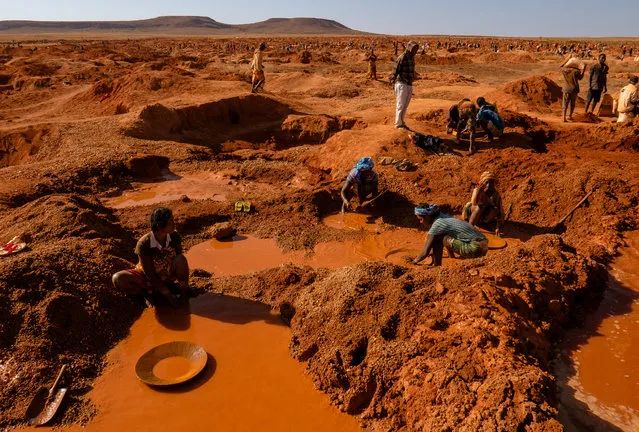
x: 195, y: 25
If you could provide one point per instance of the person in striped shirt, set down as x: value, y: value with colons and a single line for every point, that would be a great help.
x: 444, y: 231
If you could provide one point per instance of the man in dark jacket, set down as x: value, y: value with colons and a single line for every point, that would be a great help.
x: 598, y: 82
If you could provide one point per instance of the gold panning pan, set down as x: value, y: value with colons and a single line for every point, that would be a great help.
x: 194, y: 354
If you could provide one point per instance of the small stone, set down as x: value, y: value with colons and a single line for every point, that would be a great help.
x: 222, y: 230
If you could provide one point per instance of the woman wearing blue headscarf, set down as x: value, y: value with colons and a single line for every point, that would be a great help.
x: 362, y: 176
x: 444, y: 231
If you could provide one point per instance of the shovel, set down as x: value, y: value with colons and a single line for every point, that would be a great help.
x: 46, y: 402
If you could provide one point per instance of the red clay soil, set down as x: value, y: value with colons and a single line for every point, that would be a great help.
x: 466, y: 347
x: 539, y: 92
x: 57, y: 305
x: 460, y: 348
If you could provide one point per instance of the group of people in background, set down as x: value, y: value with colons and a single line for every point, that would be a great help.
x: 573, y: 70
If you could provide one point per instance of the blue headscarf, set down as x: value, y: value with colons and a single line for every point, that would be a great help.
x: 364, y: 164
x: 431, y: 210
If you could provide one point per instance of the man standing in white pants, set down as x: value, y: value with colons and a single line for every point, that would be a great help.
x: 402, y: 77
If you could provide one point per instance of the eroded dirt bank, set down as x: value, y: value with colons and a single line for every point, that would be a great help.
x: 465, y: 347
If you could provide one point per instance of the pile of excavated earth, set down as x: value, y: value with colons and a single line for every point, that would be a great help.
x: 467, y: 346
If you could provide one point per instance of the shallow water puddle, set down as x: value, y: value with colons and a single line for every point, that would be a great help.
x: 172, y: 368
x: 250, y: 384
x: 351, y: 221
x: 202, y: 185
x: 603, y: 368
x: 246, y: 254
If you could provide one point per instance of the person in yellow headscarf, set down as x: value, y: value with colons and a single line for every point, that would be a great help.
x: 485, y: 205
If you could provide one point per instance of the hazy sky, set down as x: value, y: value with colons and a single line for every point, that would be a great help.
x: 479, y: 17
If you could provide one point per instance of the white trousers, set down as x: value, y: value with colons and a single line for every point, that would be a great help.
x: 404, y: 93
x: 625, y: 117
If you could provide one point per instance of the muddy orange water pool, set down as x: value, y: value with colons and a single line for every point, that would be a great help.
x: 245, y: 254
x: 250, y: 383
x: 599, y: 363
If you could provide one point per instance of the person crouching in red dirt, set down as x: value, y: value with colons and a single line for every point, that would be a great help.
x: 364, y: 178
x: 444, y: 231
x: 485, y: 205
x: 160, y: 263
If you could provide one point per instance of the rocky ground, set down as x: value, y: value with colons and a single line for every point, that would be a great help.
x: 464, y: 347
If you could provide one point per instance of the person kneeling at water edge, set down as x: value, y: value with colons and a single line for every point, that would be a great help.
x: 485, y: 204
x: 366, y: 180
x: 160, y: 264
x: 444, y: 231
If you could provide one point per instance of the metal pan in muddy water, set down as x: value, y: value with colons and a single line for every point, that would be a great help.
x: 154, y: 368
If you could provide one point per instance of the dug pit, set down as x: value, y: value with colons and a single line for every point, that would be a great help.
x: 599, y: 362
x: 250, y: 383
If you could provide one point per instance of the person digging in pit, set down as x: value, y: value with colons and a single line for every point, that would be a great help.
x: 489, y: 119
x: 362, y: 176
x: 485, y: 204
x: 162, y: 270
x: 258, y: 68
x: 467, y: 122
x: 444, y: 231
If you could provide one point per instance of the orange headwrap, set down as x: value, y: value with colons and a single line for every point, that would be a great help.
x: 487, y: 175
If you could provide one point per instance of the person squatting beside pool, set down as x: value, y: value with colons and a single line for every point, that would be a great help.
x: 444, y: 231
x: 160, y: 263
x: 362, y: 176
x: 485, y: 204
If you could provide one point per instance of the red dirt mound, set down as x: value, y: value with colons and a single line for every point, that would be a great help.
x: 539, y: 92
x: 202, y: 123
x: 448, y: 78
x: 55, y: 299
x: 39, y: 69
x: 147, y: 166
x: 316, y: 128
x: 615, y: 136
x: 473, y: 352
x: 444, y: 60
x: 17, y: 146
x: 509, y: 58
